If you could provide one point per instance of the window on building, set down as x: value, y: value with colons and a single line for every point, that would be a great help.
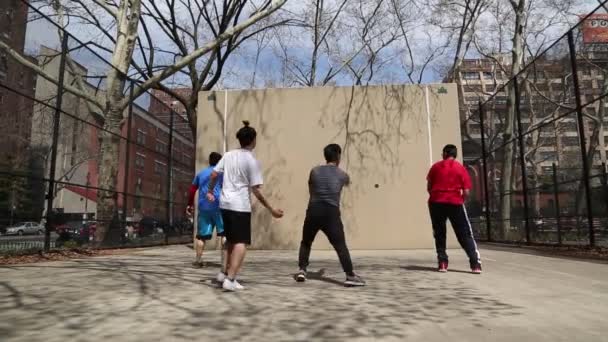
x: 586, y: 71
x: 473, y: 88
x: 569, y: 126
x: 539, y: 75
x: 21, y: 81
x: 141, y: 137
x: 140, y: 161
x: 548, y: 156
x: 488, y: 75
x: 3, y: 66
x: 161, y: 146
x: 159, y: 167
x: 187, y: 159
x: 586, y: 85
x: 472, y: 99
x: 75, y: 143
x: 570, y: 141
x: 475, y: 128
x: 7, y: 26
x: 501, y: 100
x: 470, y: 75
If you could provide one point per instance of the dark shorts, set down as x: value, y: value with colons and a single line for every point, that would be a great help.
x: 237, y: 226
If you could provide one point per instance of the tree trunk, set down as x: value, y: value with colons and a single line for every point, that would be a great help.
x: 108, y: 172
x: 506, y: 181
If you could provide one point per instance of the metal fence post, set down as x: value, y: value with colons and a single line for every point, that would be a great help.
x: 484, y: 158
x: 605, y: 185
x: 51, y: 191
x: 170, y: 174
x: 556, y: 203
x: 581, y: 135
x: 125, y: 195
x: 522, y: 161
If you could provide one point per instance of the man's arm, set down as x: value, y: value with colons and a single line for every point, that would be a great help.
x: 191, y: 193
x: 346, y: 179
x: 277, y: 213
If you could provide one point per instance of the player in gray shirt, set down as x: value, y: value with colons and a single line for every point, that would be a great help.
x: 325, y: 185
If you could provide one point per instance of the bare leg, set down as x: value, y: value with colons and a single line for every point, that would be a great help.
x: 237, y: 255
x: 224, y: 254
x: 199, y: 246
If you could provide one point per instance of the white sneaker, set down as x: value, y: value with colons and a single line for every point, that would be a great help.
x: 228, y: 285
x: 237, y: 285
x: 220, y: 277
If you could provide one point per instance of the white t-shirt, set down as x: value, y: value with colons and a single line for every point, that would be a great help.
x: 241, y: 172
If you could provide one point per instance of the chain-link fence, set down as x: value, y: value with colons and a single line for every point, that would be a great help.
x: 52, y: 126
x: 543, y: 145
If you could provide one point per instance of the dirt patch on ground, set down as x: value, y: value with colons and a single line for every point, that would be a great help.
x: 575, y: 252
x: 25, y: 257
x: 599, y: 253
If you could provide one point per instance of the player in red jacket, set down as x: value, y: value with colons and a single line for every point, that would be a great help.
x: 449, y: 185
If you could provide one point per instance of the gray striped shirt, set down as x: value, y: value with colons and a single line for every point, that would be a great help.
x: 325, y: 185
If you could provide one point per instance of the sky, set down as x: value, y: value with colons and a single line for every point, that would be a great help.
x: 239, y: 69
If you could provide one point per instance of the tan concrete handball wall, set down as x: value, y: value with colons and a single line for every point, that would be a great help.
x: 384, y: 133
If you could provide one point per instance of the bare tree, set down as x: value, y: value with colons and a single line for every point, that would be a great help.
x: 519, y: 29
x: 124, y: 18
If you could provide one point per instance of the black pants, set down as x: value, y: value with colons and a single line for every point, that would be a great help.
x: 326, y: 218
x: 457, y: 215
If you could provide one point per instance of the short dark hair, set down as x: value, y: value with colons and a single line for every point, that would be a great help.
x: 450, y: 151
x: 214, y: 158
x: 246, y: 134
x: 332, y: 153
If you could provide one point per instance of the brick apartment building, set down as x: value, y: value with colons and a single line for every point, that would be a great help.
x: 161, y: 103
x: 15, y: 112
x: 149, y: 166
x: 78, y: 146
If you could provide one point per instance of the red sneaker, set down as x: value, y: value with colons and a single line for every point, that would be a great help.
x: 476, y: 269
x: 443, y: 266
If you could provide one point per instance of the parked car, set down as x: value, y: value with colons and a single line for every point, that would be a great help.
x: 81, y: 234
x: 25, y: 228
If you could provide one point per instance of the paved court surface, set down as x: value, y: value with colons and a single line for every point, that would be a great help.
x: 155, y: 295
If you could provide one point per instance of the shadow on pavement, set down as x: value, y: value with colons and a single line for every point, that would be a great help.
x: 160, y: 296
x: 430, y: 269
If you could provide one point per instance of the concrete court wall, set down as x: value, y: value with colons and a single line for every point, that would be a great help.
x: 384, y: 131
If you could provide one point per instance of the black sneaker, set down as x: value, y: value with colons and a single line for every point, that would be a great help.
x: 354, y: 280
x: 300, y: 277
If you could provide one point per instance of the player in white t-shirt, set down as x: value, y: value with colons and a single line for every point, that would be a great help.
x: 242, y: 175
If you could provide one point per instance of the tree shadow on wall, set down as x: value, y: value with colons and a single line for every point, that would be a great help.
x: 373, y: 123
x: 265, y: 232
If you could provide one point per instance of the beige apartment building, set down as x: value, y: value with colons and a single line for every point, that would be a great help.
x: 545, y: 85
